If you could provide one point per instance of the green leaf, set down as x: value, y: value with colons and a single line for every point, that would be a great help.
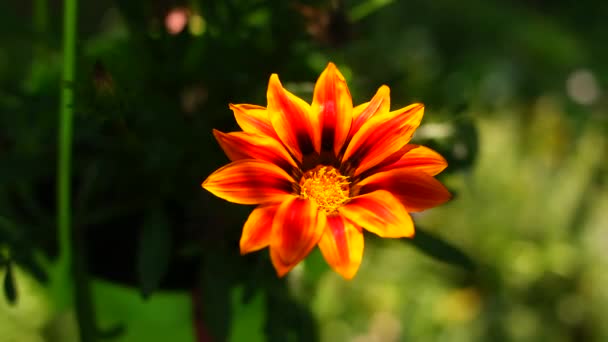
x: 463, y: 146
x: 295, y: 324
x: 216, y: 287
x: 10, y: 288
x: 441, y: 250
x: 113, y: 332
x: 154, y: 251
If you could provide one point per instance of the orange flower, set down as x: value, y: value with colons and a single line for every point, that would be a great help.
x: 321, y: 173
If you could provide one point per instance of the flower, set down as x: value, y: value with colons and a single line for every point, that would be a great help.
x: 322, y: 173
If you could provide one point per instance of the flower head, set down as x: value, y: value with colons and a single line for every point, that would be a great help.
x: 322, y: 173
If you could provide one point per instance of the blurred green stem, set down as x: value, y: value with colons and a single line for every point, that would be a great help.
x: 366, y: 8
x: 71, y: 266
x: 65, y: 141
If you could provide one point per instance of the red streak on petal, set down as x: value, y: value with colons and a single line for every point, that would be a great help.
x: 296, y: 229
x: 290, y: 117
x: 336, y: 224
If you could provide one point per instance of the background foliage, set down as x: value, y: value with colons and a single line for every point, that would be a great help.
x: 515, y: 99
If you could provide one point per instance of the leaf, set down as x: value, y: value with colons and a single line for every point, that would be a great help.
x: 153, y: 251
x: 113, y: 332
x: 441, y: 250
x: 27, y: 258
x: 10, y: 288
x: 464, y: 146
x: 214, y: 303
x: 294, y: 324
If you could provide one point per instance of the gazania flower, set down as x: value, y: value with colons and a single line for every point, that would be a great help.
x: 322, y: 173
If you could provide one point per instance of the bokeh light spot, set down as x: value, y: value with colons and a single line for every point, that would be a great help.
x: 197, y: 25
x: 176, y: 20
x: 582, y: 87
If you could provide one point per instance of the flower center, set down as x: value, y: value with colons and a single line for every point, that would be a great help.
x: 326, y: 186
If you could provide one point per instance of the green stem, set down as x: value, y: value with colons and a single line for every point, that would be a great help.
x: 71, y: 263
x: 366, y: 8
x: 65, y: 136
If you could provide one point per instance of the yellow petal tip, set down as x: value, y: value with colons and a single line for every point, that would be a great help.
x: 274, y: 78
x: 348, y: 274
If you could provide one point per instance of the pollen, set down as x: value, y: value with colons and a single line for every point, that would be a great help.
x: 326, y: 186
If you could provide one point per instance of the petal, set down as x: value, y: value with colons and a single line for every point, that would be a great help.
x: 243, y: 145
x: 333, y: 104
x: 249, y: 181
x: 342, y: 246
x: 253, y: 119
x: 296, y: 228
x: 380, y: 213
x: 381, y: 136
x: 418, y: 158
x: 280, y: 266
x: 257, y: 230
x: 415, y: 189
x: 379, y: 105
x: 292, y: 120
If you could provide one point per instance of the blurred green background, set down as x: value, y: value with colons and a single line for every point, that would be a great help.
x: 515, y: 100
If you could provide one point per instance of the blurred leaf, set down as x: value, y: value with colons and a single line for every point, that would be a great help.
x: 166, y: 316
x: 154, y: 251
x: 463, y: 145
x: 113, y: 332
x: 287, y: 319
x: 23, y: 250
x: 10, y: 288
x: 8, y: 230
x: 25, y: 256
x: 248, y: 317
x: 441, y: 250
x: 216, y: 296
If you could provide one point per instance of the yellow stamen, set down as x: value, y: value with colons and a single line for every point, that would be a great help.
x: 326, y: 186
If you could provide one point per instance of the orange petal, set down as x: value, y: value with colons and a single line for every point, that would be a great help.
x: 342, y: 246
x: 297, y: 227
x: 280, y: 266
x: 380, y: 213
x: 249, y: 181
x: 243, y: 145
x: 333, y: 104
x: 381, y: 136
x: 292, y: 120
x: 257, y: 230
x: 415, y: 189
x: 253, y: 119
x: 418, y: 158
x: 379, y: 105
